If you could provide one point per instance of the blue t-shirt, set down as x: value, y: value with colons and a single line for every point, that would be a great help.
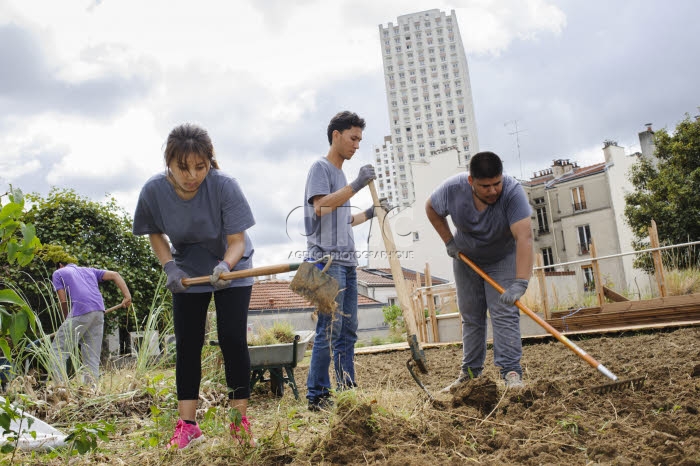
x: 197, y: 228
x: 330, y: 234
x: 484, y: 236
x: 81, y: 287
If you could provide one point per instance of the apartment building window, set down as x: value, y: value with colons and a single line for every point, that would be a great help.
x: 588, y: 280
x: 584, y: 239
x: 548, y: 259
x: 541, y: 212
x: 578, y: 198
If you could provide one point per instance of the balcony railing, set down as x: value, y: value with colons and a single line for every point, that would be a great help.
x: 579, y: 206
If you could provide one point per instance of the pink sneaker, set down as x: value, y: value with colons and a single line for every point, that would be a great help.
x: 243, y: 437
x: 185, y: 435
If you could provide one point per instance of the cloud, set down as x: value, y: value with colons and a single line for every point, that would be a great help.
x: 30, y: 85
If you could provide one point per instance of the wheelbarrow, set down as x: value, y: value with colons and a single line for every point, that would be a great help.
x: 278, y: 361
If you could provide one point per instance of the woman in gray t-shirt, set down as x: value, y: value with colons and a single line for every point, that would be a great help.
x: 196, y: 218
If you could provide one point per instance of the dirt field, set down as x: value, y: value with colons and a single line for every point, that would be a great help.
x: 556, y: 419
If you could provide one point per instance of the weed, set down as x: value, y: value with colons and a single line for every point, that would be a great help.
x: 83, y: 437
x: 8, y: 415
x: 569, y: 424
x: 280, y: 332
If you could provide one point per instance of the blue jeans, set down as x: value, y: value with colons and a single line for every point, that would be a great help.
x: 335, y: 335
x: 474, y: 297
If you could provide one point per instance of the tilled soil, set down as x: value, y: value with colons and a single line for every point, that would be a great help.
x: 556, y: 419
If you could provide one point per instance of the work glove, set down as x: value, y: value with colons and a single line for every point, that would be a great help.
x: 383, y: 203
x: 452, y: 249
x: 366, y: 174
x: 514, y: 292
x: 175, y: 275
x: 214, y: 279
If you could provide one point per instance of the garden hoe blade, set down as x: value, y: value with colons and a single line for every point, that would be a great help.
x: 410, y: 363
x: 629, y: 384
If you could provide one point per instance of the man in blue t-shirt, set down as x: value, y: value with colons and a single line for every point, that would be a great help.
x: 491, y: 215
x: 328, y: 221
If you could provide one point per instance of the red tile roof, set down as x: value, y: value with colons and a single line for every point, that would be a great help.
x: 277, y: 295
x: 383, y: 277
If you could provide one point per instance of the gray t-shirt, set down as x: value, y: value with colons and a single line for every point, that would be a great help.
x: 485, y: 236
x: 330, y: 234
x: 197, y: 228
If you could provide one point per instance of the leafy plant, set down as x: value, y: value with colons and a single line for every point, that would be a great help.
x: 18, y: 242
x: 393, y: 317
x: 18, y: 239
x: 8, y: 414
x: 83, y: 437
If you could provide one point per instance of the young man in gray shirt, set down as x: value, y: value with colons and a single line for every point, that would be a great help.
x: 491, y: 215
x: 328, y: 221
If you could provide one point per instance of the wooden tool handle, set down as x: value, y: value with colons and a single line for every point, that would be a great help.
x: 542, y: 323
x: 254, y: 272
x: 396, y: 270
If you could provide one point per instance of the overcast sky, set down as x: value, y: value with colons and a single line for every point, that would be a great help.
x: 90, y: 89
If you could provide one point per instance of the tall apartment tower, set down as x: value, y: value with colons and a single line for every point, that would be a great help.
x: 387, y: 179
x: 428, y: 94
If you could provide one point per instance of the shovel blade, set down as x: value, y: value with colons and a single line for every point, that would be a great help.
x: 316, y: 286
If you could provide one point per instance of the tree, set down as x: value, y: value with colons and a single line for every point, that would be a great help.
x: 666, y: 190
x: 97, y: 235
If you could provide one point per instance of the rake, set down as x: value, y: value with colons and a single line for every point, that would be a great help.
x: 606, y: 388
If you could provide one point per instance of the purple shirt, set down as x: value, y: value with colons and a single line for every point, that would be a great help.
x: 80, y: 284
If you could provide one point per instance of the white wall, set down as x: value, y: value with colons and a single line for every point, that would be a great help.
x: 404, y: 224
x: 619, y: 166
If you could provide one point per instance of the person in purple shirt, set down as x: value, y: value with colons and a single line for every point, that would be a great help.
x: 83, y: 309
x: 491, y: 215
x: 196, y: 219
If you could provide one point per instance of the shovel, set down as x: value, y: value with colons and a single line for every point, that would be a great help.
x: 616, y: 385
x: 402, y: 293
x: 309, y: 282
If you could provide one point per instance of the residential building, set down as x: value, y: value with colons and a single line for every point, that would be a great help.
x: 575, y: 207
x: 416, y: 241
x: 572, y: 208
x: 378, y: 284
x: 428, y: 93
x: 387, y: 179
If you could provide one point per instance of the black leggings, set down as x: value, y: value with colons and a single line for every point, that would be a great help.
x: 190, y: 315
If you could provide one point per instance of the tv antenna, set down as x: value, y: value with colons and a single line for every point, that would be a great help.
x: 517, y: 142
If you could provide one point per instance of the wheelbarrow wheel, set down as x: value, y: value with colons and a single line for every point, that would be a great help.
x: 277, y: 382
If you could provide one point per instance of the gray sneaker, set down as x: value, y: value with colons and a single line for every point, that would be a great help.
x: 513, y: 380
x: 463, y: 377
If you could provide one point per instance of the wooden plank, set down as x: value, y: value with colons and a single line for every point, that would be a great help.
x: 613, y: 296
x: 597, y: 275
x: 654, y: 303
x: 541, y: 280
x: 431, y: 303
x: 656, y: 256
